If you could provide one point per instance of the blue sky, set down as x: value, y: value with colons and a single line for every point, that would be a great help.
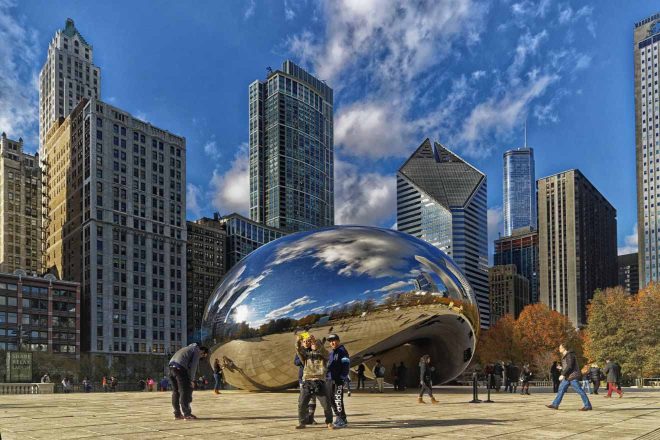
x: 467, y: 73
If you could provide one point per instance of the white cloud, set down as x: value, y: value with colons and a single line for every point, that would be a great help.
x: 19, y: 100
x: 287, y: 309
x: 231, y: 190
x: 289, y: 13
x: 193, y: 194
x: 630, y: 242
x: 568, y: 15
x: 249, y: 11
x: 362, y: 198
x: 528, y: 44
x: 397, y: 285
x: 211, y: 149
x: 142, y: 116
x: 495, y: 223
x: 529, y: 9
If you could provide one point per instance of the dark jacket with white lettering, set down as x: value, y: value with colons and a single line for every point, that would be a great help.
x: 339, y: 364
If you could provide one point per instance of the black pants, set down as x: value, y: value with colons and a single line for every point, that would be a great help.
x: 525, y: 388
x: 338, y: 400
x: 555, y: 385
x: 308, y: 390
x: 181, y: 391
x: 596, y: 385
x: 360, y: 381
x: 426, y: 387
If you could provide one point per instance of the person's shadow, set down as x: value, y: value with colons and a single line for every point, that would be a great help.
x: 423, y: 423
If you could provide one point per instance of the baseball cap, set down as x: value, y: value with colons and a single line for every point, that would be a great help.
x: 333, y: 337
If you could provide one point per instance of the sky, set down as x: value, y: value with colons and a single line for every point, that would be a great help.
x: 466, y: 73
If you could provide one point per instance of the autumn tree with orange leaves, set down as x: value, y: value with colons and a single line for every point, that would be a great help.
x: 532, y: 338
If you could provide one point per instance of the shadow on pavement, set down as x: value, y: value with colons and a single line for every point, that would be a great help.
x: 422, y: 423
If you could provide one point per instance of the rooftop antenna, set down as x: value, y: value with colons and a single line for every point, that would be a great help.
x: 525, y: 132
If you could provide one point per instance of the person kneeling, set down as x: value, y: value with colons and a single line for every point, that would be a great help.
x: 313, y: 380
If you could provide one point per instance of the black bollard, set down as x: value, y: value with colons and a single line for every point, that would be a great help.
x: 475, y: 392
x: 490, y: 384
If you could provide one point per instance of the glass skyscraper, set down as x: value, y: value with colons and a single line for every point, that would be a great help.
x: 647, y: 147
x: 442, y: 200
x: 519, y: 190
x: 291, y: 150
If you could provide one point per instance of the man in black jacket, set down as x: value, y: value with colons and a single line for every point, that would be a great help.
x: 613, y: 372
x: 594, y: 376
x: 570, y: 377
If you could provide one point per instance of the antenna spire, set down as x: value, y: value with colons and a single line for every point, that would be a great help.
x: 525, y: 132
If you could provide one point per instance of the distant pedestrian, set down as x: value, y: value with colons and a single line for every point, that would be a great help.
x: 379, y: 374
x: 595, y: 375
x: 45, y: 378
x: 360, y: 376
x: 113, y: 383
x: 142, y: 385
x: 183, y: 367
x: 164, y: 384
x: 87, y: 385
x: 570, y: 377
x: 402, y: 374
x: 497, y: 374
x: 426, y: 379
x: 613, y: 372
x: 217, y: 376
x: 525, y: 378
x: 513, y: 376
x: 505, y: 376
x: 104, y: 383
x: 395, y: 378
x: 555, y: 372
x: 67, y: 385
x: 586, y: 379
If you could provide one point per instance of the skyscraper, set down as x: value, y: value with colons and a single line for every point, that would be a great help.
x: 577, y: 243
x: 519, y: 190
x: 509, y: 292
x: 647, y: 147
x: 629, y: 273
x: 442, y: 199
x: 20, y: 208
x: 68, y: 75
x: 522, y: 250
x: 115, y: 196
x: 291, y: 150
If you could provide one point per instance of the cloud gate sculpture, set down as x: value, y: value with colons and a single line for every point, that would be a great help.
x: 389, y: 296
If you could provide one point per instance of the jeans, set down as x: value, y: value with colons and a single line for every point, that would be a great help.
x: 575, y: 384
x: 360, y: 381
x: 181, y: 391
x: 218, y: 381
x: 426, y: 387
x: 596, y: 384
x: 586, y: 386
x: 308, y: 390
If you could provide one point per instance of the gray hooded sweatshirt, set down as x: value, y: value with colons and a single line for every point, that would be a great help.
x: 187, y: 358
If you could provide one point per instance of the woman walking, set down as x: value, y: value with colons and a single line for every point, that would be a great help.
x: 217, y: 375
x: 425, y: 382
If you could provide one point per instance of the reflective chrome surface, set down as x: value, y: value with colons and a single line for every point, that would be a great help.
x: 387, y: 294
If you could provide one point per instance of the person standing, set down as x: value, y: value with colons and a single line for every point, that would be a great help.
x: 570, y: 377
x: 339, y: 364
x: 401, y: 374
x: 594, y: 375
x: 217, y: 376
x: 395, y: 377
x: 586, y: 382
x: 505, y: 376
x: 555, y: 372
x: 306, y: 345
x: 313, y: 381
x: 613, y: 372
x: 497, y: 374
x: 104, y: 383
x: 513, y: 376
x: 379, y: 374
x: 525, y: 377
x: 45, y: 378
x: 425, y: 379
x: 183, y: 366
x: 360, y: 376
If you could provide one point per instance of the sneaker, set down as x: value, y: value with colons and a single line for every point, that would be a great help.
x: 551, y: 406
x: 190, y: 417
x: 178, y: 417
x: 301, y: 426
x: 339, y: 423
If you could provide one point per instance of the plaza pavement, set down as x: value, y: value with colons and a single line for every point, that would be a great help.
x: 241, y: 415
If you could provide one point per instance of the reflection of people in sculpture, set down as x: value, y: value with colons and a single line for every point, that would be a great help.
x: 183, y: 367
x: 338, y: 368
x: 313, y: 379
x: 307, y: 343
x: 425, y: 380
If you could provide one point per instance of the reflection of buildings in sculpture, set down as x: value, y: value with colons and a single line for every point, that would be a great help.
x: 442, y: 200
x: 359, y: 282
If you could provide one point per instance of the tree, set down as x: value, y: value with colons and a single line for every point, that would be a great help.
x: 498, y: 342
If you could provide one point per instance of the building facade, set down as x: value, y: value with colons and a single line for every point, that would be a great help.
x: 68, y: 75
x: 206, y: 263
x: 629, y: 272
x: 39, y: 314
x: 647, y: 146
x: 519, y: 185
x: 244, y: 236
x: 442, y: 199
x: 509, y: 292
x: 115, y: 190
x: 577, y: 243
x: 291, y: 150
x: 20, y: 208
x: 522, y: 250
